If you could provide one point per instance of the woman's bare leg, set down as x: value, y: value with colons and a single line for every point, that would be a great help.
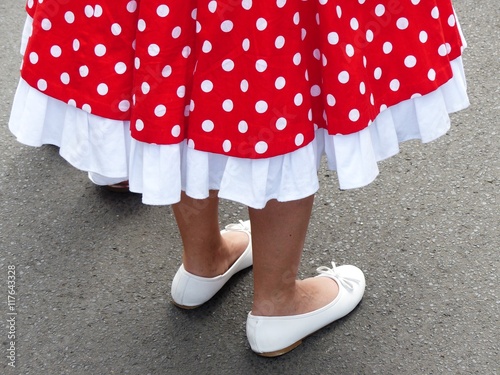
x: 206, y: 253
x: 278, y: 236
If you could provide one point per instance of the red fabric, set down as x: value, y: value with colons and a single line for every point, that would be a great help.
x: 83, y: 54
x: 31, y: 7
x: 243, y: 78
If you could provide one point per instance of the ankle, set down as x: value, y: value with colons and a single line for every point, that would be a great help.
x: 204, y: 263
x: 218, y: 258
x: 278, y: 302
x: 305, y: 296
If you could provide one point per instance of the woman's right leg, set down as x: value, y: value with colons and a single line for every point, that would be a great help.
x: 285, y: 310
x: 278, y: 236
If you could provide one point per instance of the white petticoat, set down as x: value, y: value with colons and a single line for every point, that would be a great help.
x: 105, y: 149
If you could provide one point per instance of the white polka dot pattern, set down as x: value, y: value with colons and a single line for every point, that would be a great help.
x: 245, y: 78
x: 92, y: 69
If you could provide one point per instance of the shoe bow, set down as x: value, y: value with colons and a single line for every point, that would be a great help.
x: 241, y: 226
x: 347, y: 282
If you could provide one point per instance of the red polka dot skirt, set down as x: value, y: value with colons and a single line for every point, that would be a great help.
x: 248, y: 79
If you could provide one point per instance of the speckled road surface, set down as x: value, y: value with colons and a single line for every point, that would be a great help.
x: 93, y: 268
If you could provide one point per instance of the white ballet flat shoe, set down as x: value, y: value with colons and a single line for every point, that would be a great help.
x: 271, y: 336
x: 190, y: 291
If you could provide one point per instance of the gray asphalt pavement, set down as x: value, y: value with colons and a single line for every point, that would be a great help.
x: 94, y: 268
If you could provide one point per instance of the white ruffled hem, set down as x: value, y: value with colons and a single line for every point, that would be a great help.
x: 105, y: 149
x: 88, y: 142
x: 161, y: 172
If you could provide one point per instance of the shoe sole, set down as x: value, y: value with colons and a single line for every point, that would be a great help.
x: 184, y: 307
x: 280, y: 352
x: 277, y: 353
